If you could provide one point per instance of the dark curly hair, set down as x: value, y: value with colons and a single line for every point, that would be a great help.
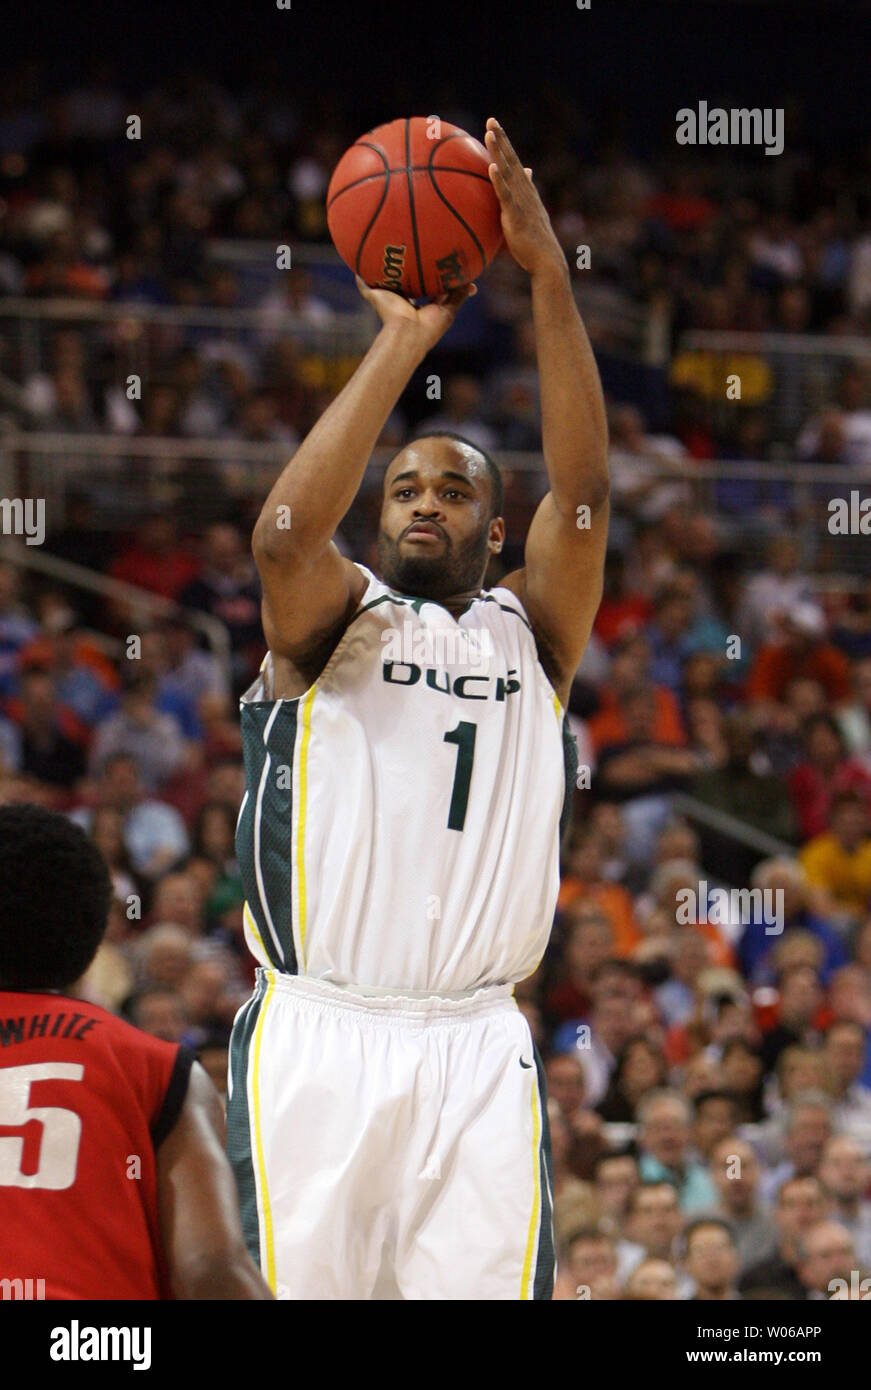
x: 55, y: 892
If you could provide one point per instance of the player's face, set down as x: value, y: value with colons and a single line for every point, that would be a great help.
x: 436, y: 532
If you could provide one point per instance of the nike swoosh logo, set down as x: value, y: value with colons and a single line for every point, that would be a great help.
x: 525, y: 1064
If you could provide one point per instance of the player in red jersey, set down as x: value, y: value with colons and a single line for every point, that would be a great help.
x: 113, y: 1179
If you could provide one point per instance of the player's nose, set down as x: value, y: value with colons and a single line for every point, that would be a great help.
x: 427, y: 508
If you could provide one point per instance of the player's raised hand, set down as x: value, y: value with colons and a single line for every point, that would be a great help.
x: 529, y: 235
x: 427, y: 322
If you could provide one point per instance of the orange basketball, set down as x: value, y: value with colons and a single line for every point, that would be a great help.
x: 411, y: 208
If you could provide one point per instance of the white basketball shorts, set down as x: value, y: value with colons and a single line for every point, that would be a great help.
x: 390, y: 1147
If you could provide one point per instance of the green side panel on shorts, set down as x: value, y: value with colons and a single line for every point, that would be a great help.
x: 239, y: 1150
x: 272, y: 823
x: 545, y: 1263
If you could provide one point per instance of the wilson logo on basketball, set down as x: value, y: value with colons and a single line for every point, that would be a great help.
x: 452, y: 270
x: 394, y: 263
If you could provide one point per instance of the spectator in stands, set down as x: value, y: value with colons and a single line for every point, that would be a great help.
x: 629, y: 673
x: 46, y: 753
x: 640, y: 773
x: 640, y: 1068
x: 837, y: 863
x: 743, y: 1077
x: 800, y: 649
x: 163, y: 955
x: 784, y: 880
x: 797, y: 1018
x: 845, y: 1174
x: 771, y: 592
x: 651, y: 1281
x: 735, y: 1170
x: 565, y: 1082
x: 622, y: 612
x: 614, y: 1016
x: 715, y: 1114
x: 745, y: 786
x: 154, y: 833
x: 712, y: 1259
x: 107, y: 832
x: 16, y: 626
x: 141, y: 730
x: 665, y: 1148
x: 855, y: 719
x: 615, y: 1178
x: 807, y: 1126
x: 189, y: 669
x: 160, y: 1012
x: 799, y: 1205
x: 461, y: 413
x: 591, y: 1257
x: 589, y: 942
x: 825, y: 1253
x: 584, y: 886
x: 155, y: 559
x: 653, y: 1226
x: 826, y: 770
x: 227, y: 589
x: 844, y: 1055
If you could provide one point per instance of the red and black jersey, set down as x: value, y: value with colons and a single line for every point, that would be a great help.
x: 85, y: 1101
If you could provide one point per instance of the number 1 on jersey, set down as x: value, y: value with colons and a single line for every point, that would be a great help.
x: 464, y: 737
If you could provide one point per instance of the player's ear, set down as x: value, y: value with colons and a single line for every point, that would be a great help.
x: 496, y: 535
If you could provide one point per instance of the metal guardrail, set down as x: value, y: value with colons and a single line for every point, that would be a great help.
x: 731, y: 827
x: 141, y: 600
x: 804, y: 344
x: 803, y: 371
x: 659, y: 465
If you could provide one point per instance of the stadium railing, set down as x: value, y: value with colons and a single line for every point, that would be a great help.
x: 748, y: 502
x: 141, y: 606
x: 799, y: 373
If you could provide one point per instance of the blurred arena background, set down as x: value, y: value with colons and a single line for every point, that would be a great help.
x: 712, y: 764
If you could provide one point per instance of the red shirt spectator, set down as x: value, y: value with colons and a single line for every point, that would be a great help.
x: 801, y: 652
x: 155, y: 560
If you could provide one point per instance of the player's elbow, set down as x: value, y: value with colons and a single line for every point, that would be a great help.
x: 597, y: 488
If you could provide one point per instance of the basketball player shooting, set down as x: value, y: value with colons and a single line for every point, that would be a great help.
x: 399, y: 838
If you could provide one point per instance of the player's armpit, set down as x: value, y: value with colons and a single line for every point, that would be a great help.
x: 560, y: 584
x: 198, y: 1206
x: 306, y: 601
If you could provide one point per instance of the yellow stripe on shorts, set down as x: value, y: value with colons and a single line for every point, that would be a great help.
x: 536, y: 1201
x: 264, y: 1203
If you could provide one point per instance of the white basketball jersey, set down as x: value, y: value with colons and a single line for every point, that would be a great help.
x: 400, y: 828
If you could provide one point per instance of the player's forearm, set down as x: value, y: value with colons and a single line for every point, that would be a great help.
x: 574, y: 425
x: 224, y: 1275
x: 322, y: 479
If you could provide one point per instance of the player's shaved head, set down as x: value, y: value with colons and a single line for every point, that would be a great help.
x: 456, y: 487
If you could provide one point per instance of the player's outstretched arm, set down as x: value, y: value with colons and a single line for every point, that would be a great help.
x: 561, y: 582
x: 307, y: 586
x: 199, y: 1211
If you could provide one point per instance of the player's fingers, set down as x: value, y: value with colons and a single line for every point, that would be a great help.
x: 499, y: 155
x: 500, y: 183
x: 454, y: 298
x: 504, y: 145
x: 528, y: 173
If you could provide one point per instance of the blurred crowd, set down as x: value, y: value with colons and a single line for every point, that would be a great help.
x: 677, y: 241
x: 709, y: 1069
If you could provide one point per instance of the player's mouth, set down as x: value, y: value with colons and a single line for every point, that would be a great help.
x: 424, y: 531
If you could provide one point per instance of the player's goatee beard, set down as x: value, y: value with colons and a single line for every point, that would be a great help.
x: 456, y: 571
